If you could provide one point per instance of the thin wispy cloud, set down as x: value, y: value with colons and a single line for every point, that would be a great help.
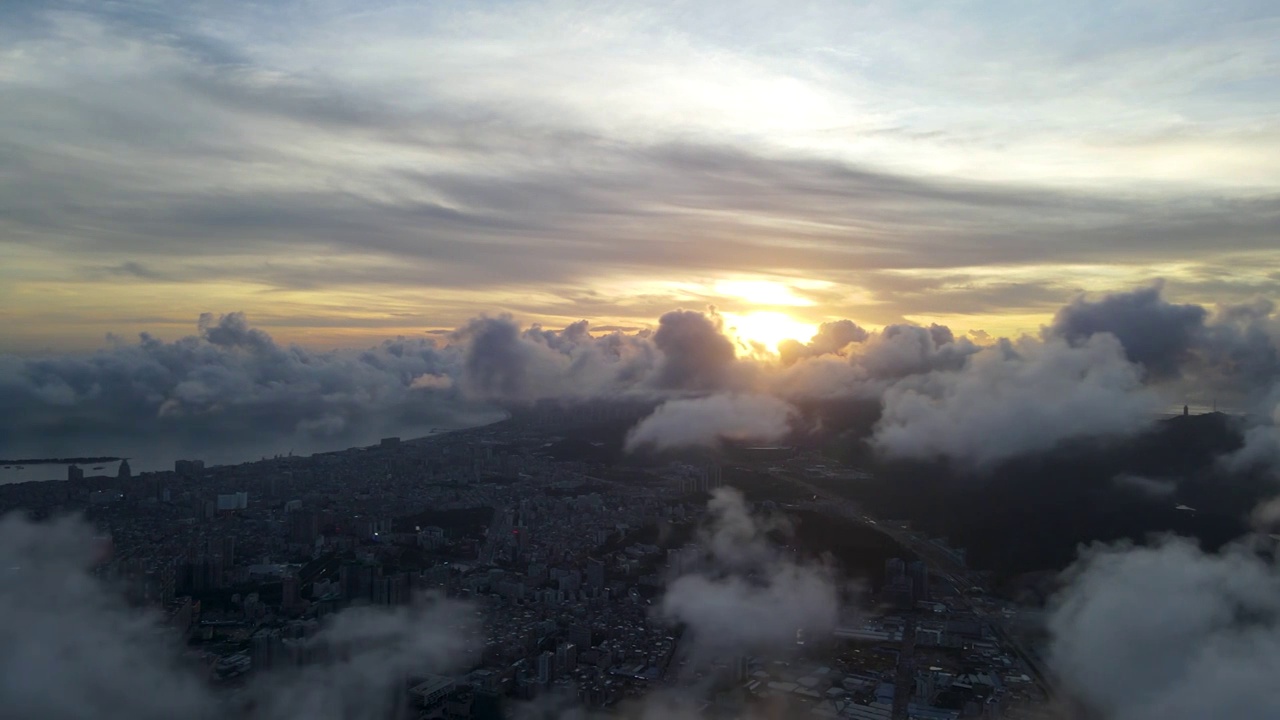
x: 543, y: 151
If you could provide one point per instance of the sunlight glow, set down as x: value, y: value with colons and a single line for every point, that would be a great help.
x: 766, y: 329
x: 761, y: 292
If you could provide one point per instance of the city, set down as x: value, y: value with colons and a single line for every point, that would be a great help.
x: 563, y: 565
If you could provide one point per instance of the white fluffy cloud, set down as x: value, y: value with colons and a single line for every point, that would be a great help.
x: 708, y: 421
x: 1014, y: 398
x: 1170, y: 632
x: 748, y: 595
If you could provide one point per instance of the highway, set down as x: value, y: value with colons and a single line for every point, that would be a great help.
x: 941, y: 563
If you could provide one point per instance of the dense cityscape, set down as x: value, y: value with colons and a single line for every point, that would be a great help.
x: 563, y: 564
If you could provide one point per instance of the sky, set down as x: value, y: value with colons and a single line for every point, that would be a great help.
x: 344, y: 172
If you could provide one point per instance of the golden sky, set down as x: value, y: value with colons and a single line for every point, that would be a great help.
x: 351, y: 172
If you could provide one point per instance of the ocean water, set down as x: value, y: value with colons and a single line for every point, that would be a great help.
x: 56, y: 471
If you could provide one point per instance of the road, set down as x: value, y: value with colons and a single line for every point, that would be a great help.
x: 941, y: 562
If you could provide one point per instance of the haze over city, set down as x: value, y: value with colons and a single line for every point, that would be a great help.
x: 506, y: 359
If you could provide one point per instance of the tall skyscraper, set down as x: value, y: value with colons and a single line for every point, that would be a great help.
x: 894, y: 569
x: 919, y: 573
x: 290, y: 598
x: 125, y: 472
x: 567, y: 657
x: 546, y: 667
x: 595, y: 574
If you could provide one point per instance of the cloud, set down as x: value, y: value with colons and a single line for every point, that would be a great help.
x: 370, y: 651
x: 831, y: 339
x: 1170, y: 632
x: 158, y: 153
x: 1266, y: 516
x: 1261, y: 448
x: 869, y: 363
x: 73, y: 649
x: 748, y: 595
x: 431, y: 381
x: 1157, y: 334
x: 1152, y: 487
x: 230, y: 391
x: 696, y: 353
x: 1226, y: 354
x: 710, y: 420
x: 1238, y: 353
x: 232, y: 387
x: 1015, y: 398
x: 902, y: 350
x: 687, y: 354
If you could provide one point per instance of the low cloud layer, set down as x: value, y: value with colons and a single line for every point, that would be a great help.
x: 706, y: 422
x: 1011, y: 399
x: 1170, y: 632
x: 1152, y: 487
x: 229, y: 391
x: 75, y: 651
x: 748, y: 595
x: 1261, y: 447
x: 1225, y: 355
x: 1107, y: 366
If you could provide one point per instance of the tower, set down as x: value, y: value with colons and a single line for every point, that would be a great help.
x: 1186, y: 410
x: 124, y: 473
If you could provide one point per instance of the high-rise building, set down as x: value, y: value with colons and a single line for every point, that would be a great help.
x: 74, y: 473
x: 487, y: 705
x: 188, y: 468
x: 546, y: 667
x: 233, y: 501
x: 919, y: 573
x: 124, y: 473
x: 894, y: 569
x: 595, y: 573
x: 290, y: 598
x: 581, y: 636
x: 304, y: 526
x: 567, y: 657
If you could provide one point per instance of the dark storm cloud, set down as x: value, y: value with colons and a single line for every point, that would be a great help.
x: 1158, y: 334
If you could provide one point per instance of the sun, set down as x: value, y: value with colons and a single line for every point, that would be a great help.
x: 767, y: 329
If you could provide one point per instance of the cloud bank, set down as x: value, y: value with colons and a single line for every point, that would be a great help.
x: 1011, y: 399
x: 1106, y: 367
